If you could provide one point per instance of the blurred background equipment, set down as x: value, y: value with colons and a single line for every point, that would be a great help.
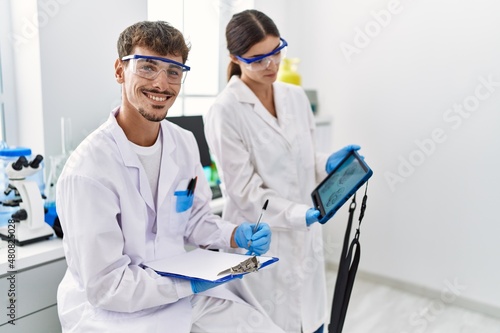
x: 288, y: 71
x: 29, y: 221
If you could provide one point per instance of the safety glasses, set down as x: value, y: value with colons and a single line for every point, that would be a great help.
x: 262, y: 62
x: 149, y: 67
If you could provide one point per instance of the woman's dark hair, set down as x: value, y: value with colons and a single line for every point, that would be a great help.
x: 244, y: 30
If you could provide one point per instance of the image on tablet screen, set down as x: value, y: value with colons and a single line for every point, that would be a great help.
x: 346, y: 177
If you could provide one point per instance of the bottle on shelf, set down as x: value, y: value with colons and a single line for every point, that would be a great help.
x: 288, y: 71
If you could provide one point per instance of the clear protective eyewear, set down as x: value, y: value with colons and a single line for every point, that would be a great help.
x: 149, y: 67
x: 262, y: 62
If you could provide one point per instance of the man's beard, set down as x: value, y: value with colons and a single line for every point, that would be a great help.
x: 153, y: 117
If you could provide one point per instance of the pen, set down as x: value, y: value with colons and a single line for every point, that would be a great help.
x: 191, y: 185
x: 260, y: 217
x: 258, y: 221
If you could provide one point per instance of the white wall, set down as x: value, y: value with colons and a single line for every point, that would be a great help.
x: 74, y: 76
x: 78, y: 51
x: 435, y: 221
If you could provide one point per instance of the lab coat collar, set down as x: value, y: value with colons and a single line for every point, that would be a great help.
x: 245, y: 95
x: 129, y: 157
x: 168, y: 167
x: 241, y: 91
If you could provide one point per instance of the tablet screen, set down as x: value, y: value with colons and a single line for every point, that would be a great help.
x: 348, y: 176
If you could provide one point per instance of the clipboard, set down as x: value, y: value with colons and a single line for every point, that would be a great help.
x: 204, y: 265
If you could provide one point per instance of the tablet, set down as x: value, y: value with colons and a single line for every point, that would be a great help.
x: 340, y: 185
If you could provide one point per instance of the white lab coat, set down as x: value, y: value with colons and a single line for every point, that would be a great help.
x: 260, y: 157
x: 107, y: 212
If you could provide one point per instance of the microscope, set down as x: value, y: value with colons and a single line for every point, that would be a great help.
x: 30, y: 225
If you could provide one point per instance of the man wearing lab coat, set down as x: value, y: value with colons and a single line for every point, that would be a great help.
x: 122, y: 202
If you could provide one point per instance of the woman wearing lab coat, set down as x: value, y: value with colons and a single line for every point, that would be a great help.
x: 261, y: 133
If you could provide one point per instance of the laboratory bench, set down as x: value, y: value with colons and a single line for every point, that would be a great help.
x: 32, y: 284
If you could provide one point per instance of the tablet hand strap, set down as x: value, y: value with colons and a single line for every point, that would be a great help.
x: 348, y: 267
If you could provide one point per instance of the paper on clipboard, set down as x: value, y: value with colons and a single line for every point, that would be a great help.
x: 202, y: 264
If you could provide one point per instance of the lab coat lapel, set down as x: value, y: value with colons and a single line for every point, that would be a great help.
x: 168, y: 168
x: 287, y: 120
x: 132, y: 162
x: 245, y: 95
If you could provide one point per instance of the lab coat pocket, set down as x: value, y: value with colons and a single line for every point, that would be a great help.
x: 183, y: 199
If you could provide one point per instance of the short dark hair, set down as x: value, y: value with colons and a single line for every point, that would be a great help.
x: 244, y: 30
x: 158, y: 36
